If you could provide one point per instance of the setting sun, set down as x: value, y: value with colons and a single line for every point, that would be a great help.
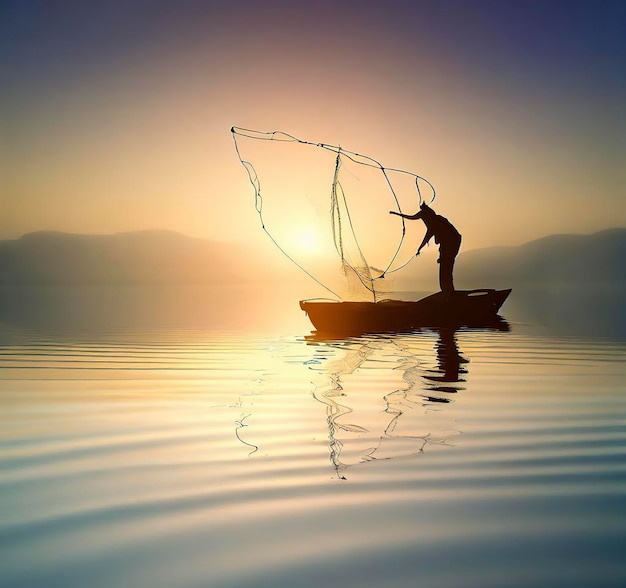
x: 305, y: 240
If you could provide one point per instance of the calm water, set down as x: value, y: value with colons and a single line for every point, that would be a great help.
x: 243, y: 451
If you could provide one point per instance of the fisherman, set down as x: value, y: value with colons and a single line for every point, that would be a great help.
x: 448, y: 238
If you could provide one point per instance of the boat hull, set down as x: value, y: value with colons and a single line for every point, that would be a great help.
x: 471, y: 308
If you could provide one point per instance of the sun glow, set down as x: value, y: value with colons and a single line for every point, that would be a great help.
x: 305, y: 240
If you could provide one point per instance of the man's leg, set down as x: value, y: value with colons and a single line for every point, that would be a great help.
x: 447, y: 256
x: 446, y: 265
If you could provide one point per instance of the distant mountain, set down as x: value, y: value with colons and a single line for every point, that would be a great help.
x: 143, y: 257
x: 596, y: 259
x: 165, y: 257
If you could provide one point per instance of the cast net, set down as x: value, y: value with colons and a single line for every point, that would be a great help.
x: 327, y: 210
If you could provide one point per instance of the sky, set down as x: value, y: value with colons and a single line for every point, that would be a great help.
x: 116, y: 115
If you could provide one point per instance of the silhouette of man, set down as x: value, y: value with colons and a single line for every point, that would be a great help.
x: 448, y: 238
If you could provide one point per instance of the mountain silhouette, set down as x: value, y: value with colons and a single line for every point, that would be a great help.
x: 595, y: 259
x: 167, y: 257
x: 142, y: 257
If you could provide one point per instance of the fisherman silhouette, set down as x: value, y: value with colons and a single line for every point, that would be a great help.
x: 448, y: 238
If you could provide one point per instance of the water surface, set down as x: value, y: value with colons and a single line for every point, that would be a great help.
x: 254, y: 453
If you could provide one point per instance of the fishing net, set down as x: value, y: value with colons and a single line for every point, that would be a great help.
x: 327, y: 210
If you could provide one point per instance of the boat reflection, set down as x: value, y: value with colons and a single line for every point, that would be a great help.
x: 366, y: 423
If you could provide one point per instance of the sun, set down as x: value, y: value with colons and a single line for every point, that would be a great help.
x: 305, y: 240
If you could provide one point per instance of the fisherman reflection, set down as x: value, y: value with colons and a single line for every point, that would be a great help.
x: 450, y: 363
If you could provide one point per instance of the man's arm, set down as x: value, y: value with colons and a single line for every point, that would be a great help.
x: 409, y: 216
x: 427, y: 237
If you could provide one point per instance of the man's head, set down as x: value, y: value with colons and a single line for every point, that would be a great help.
x: 425, y: 210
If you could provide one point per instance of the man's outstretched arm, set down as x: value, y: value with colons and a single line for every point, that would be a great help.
x: 409, y: 216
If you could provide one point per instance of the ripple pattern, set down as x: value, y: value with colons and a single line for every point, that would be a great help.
x: 197, y: 458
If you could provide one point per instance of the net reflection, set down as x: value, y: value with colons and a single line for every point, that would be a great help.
x: 390, y: 396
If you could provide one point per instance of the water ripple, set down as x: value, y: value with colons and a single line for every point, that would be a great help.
x: 193, y: 458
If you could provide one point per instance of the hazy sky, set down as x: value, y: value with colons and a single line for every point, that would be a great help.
x: 116, y: 115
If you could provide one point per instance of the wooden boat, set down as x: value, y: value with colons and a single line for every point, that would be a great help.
x: 471, y: 308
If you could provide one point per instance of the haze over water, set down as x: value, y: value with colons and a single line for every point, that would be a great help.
x: 256, y: 454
